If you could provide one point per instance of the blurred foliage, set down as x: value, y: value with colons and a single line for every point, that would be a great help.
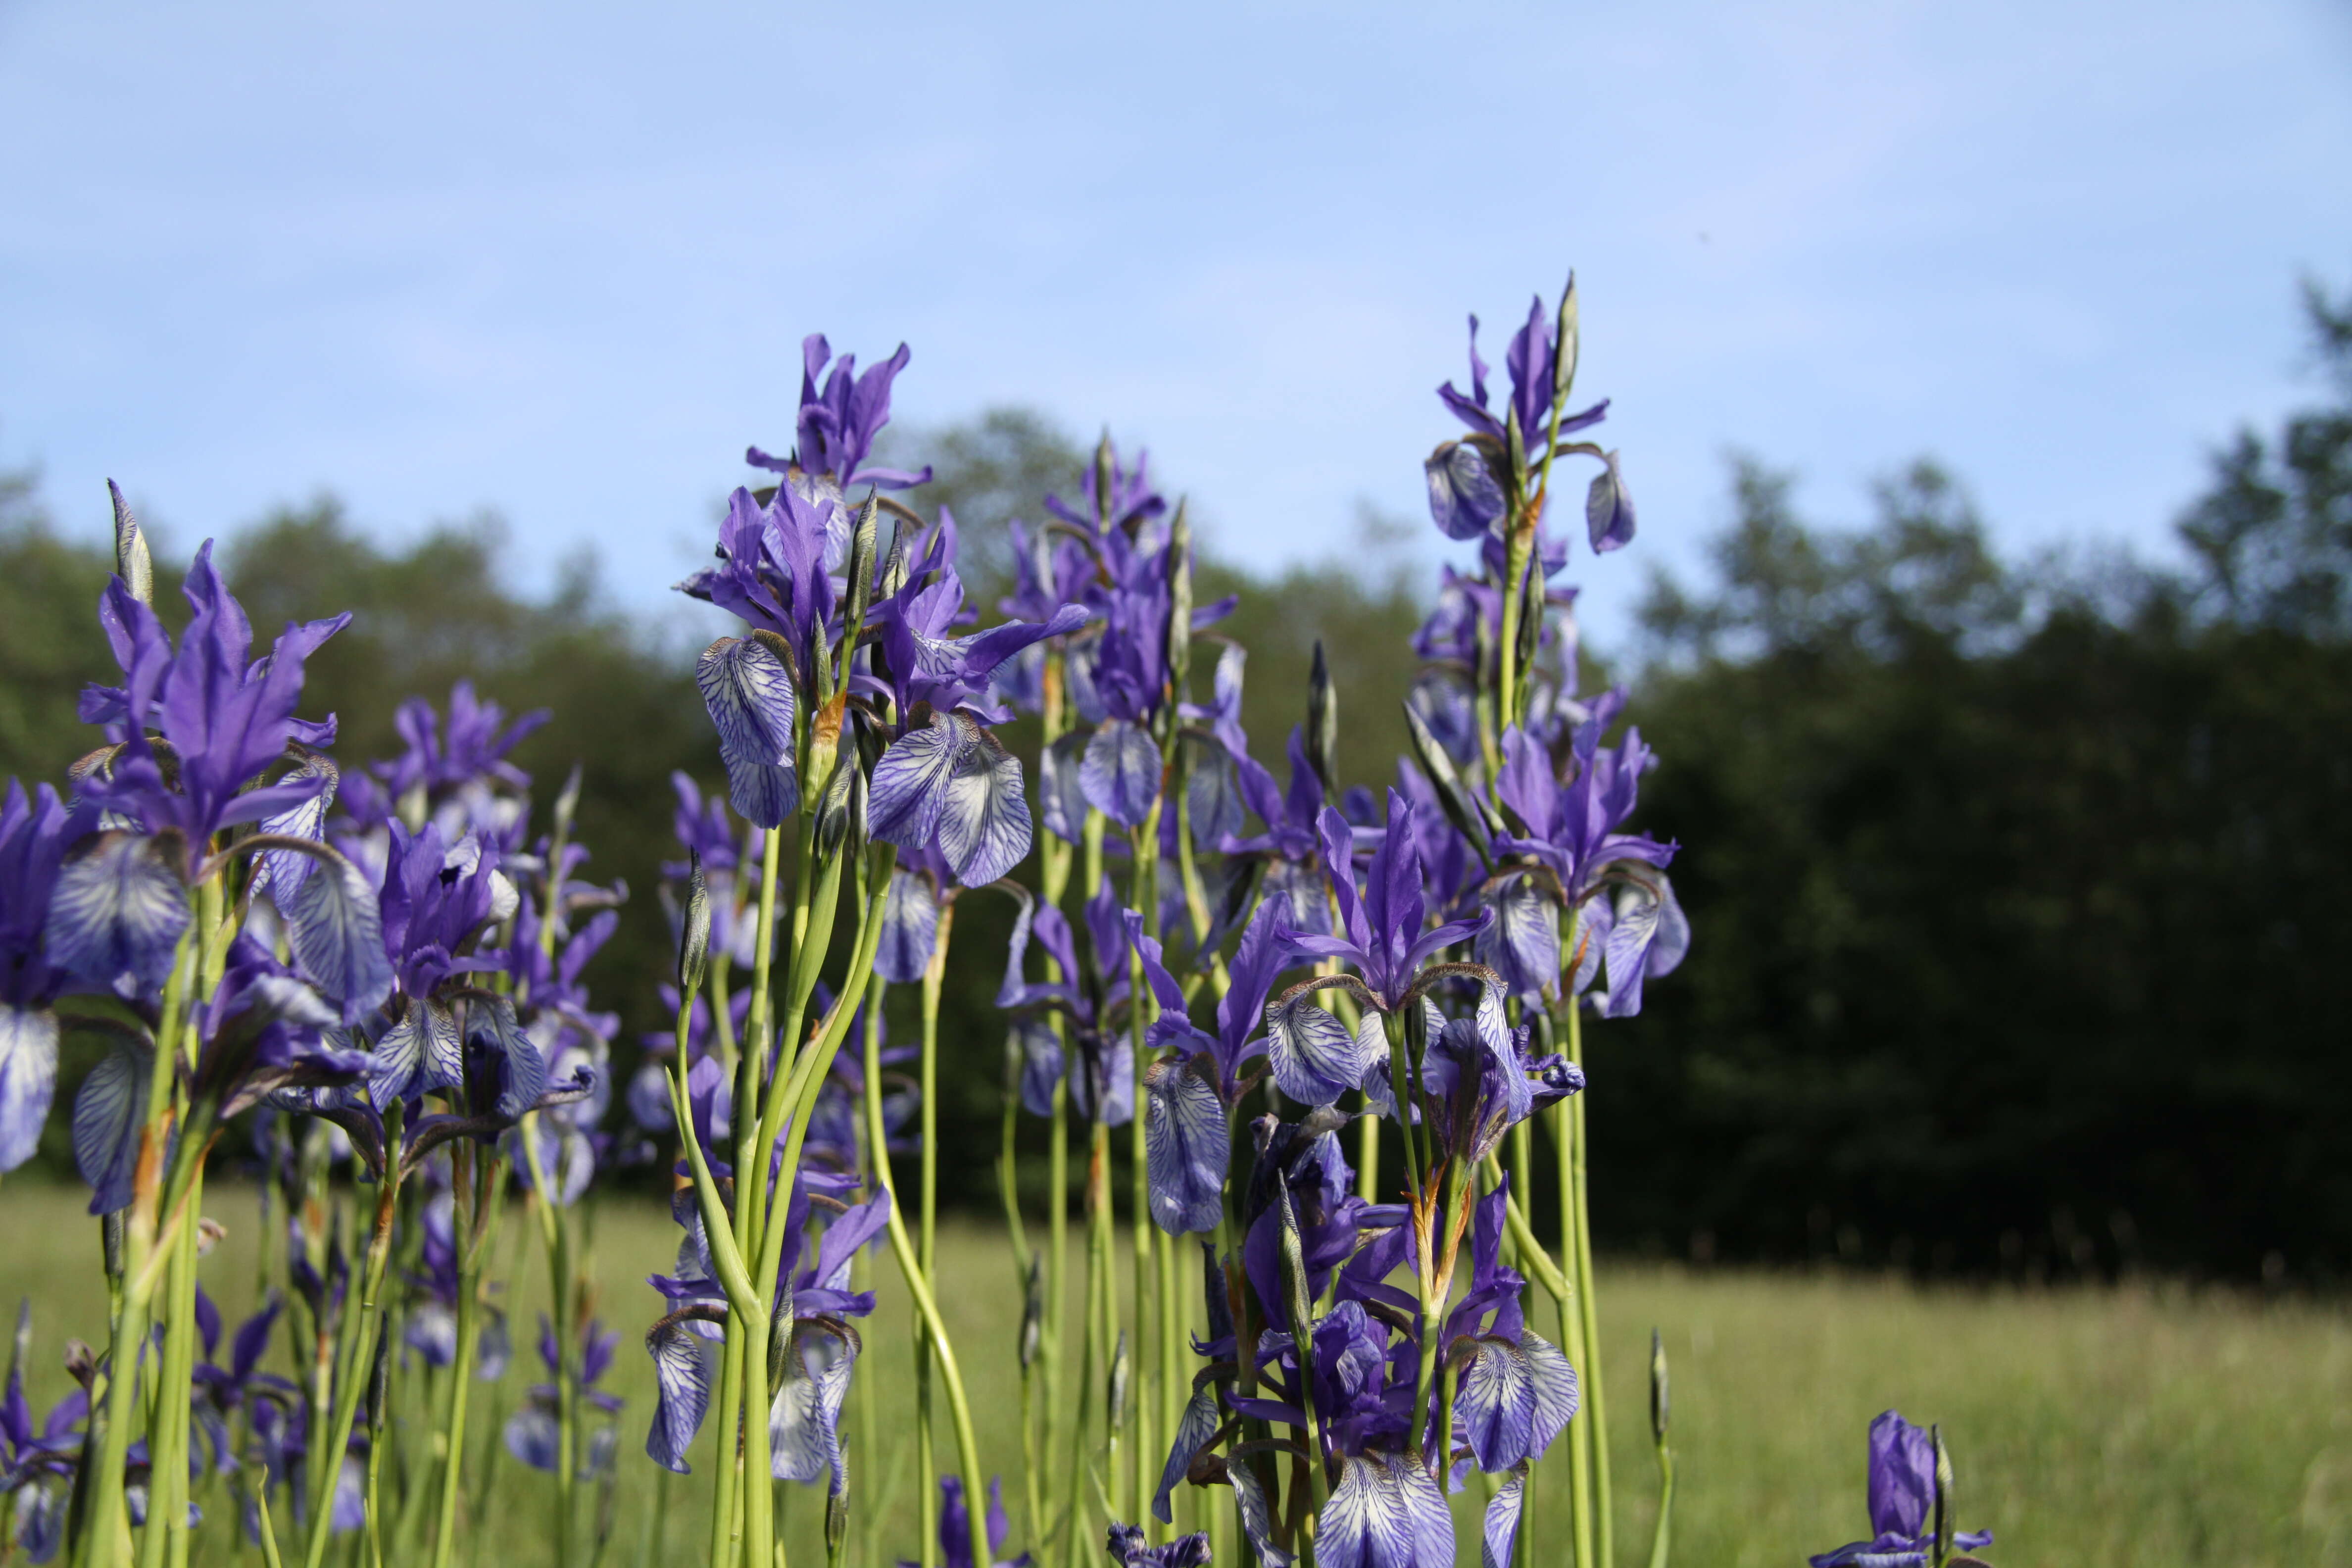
x: 2016, y: 884
x: 2018, y: 890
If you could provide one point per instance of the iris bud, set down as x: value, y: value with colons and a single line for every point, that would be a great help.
x: 1117, y: 1404
x: 1179, y: 601
x: 836, y: 1523
x: 694, y: 936
x: 1438, y: 768
x: 1032, y: 1312
x: 1297, y: 1302
x: 1563, y: 361
x: 1323, y: 722
x: 567, y: 803
x: 132, y: 562
x: 1658, y: 1411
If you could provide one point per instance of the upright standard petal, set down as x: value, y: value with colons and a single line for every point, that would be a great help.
x: 1386, y: 1512
x: 107, y: 1116
x: 117, y: 911
x: 1185, y: 1147
x: 337, y: 935
x: 985, y: 828
x: 29, y: 1079
x: 749, y: 694
x: 1120, y: 772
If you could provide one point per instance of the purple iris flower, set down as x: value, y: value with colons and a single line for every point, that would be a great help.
x: 534, y: 1433
x: 1190, y: 1094
x: 946, y: 780
x: 1130, y: 1549
x: 1517, y: 1391
x: 34, y: 833
x: 1380, y: 929
x: 1902, y: 1502
x: 1477, y: 1080
x: 471, y: 748
x: 1305, y: 1159
x: 1090, y: 1001
x: 1631, y: 926
x: 837, y: 426
x: 707, y: 829
x: 821, y: 1350
x: 1126, y: 507
x: 1291, y: 842
x: 438, y: 901
x: 1529, y: 362
x: 38, y: 1458
x: 222, y: 1390
x: 955, y: 1527
x: 224, y: 716
x: 263, y: 1030
x: 772, y: 577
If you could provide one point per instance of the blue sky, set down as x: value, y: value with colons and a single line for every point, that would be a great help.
x: 556, y: 260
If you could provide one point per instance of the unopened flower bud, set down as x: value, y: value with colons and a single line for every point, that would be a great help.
x: 1563, y: 361
x: 132, y: 562
x: 694, y: 931
x: 1658, y: 1406
x: 1032, y: 1312
x: 1117, y: 1398
x: 1323, y: 722
x: 567, y: 803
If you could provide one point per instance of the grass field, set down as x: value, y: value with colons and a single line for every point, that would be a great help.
x: 2139, y: 1426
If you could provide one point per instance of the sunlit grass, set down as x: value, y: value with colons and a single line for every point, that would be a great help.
x: 2139, y: 1426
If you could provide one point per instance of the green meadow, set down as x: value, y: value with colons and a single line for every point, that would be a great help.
x: 2146, y: 1424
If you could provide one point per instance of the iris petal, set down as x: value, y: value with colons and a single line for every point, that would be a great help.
x: 1257, y: 1520
x: 1120, y: 772
x: 1314, y: 1056
x: 117, y: 913
x: 911, y: 924
x: 984, y: 817
x: 1186, y: 1149
x: 1501, y: 1527
x: 107, y: 1117
x: 1522, y: 944
x: 1386, y: 1512
x: 337, y: 935
x: 911, y: 782
x: 1193, y: 1430
x: 29, y: 1079
x: 750, y: 695
x: 804, y: 1421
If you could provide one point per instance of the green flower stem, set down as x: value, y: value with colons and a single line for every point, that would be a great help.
x: 1099, y: 1333
x: 1054, y: 880
x: 1143, y: 848
x: 1588, y: 1306
x: 347, y: 1386
x: 489, y: 1185
x: 795, y: 1095
x: 927, y: 1307
x: 1661, y: 1534
x: 927, y: 1200
x: 1571, y: 1337
x: 751, y: 1066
